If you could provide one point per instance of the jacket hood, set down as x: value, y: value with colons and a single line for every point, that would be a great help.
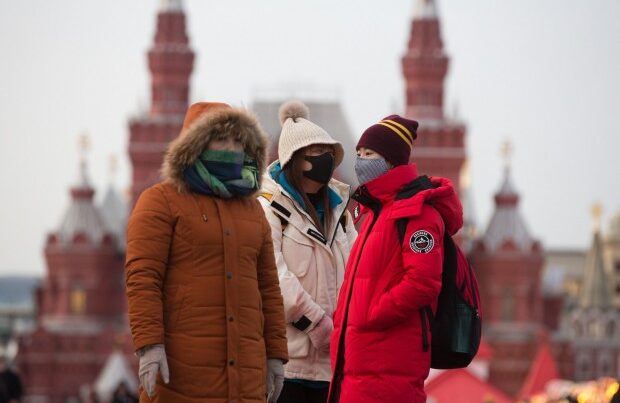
x: 223, y: 122
x: 445, y: 200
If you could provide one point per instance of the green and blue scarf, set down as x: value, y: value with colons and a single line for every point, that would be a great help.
x: 222, y: 173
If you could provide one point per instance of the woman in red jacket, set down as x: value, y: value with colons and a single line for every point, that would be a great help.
x: 379, y: 347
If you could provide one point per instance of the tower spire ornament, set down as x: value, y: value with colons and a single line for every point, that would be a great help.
x: 597, y: 212
x: 113, y: 167
x: 83, y: 144
x: 507, y: 152
x: 83, y: 147
x: 171, y: 5
x: 425, y: 9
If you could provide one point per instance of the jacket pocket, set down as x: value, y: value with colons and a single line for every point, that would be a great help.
x: 298, y: 343
x: 298, y: 253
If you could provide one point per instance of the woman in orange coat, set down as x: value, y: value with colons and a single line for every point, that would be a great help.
x: 204, y: 302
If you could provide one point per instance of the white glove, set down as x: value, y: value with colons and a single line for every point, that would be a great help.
x: 152, y: 360
x: 321, y: 333
x: 275, y: 379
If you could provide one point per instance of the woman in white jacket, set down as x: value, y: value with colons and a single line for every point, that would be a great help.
x: 312, y: 234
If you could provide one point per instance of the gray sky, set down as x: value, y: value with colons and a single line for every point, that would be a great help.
x: 543, y: 73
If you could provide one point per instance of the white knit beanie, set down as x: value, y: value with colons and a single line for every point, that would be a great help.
x: 298, y: 132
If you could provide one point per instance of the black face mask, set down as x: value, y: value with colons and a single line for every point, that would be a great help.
x: 322, y: 167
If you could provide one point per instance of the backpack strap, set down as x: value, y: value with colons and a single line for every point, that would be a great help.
x: 343, y: 222
x: 409, y: 190
x: 277, y: 206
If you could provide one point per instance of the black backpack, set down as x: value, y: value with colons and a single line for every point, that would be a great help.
x: 456, y: 327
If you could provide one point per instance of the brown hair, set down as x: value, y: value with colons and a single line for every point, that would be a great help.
x: 293, y: 171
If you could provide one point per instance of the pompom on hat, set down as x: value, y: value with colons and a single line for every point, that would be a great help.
x: 392, y: 137
x: 299, y: 132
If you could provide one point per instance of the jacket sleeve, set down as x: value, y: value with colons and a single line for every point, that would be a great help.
x: 420, y: 284
x: 149, y: 233
x: 297, y: 301
x: 273, y: 309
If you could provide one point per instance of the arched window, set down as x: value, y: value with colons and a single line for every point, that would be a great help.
x: 584, y: 367
x: 578, y: 326
x: 594, y: 328
x: 508, y: 305
x: 604, y: 364
x: 77, y: 300
x: 610, y: 329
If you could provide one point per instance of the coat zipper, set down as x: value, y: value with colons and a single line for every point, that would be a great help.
x: 339, y: 367
x: 344, y: 211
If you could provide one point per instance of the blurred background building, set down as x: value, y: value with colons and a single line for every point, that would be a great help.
x: 547, y: 314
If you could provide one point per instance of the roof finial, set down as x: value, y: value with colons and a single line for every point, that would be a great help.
x: 597, y: 211
x: 170, y: 5
x: 113, y: 167
x: 425, y: 9
x: 507, y: 151
x: 84, y: 146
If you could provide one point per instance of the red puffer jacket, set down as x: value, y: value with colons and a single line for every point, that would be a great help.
x: 377, y: 348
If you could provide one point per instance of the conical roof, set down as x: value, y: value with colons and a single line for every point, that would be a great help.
x: 595, y: 291
x: 82, y: 218
x: 114, y: 214
x: 507, y: 225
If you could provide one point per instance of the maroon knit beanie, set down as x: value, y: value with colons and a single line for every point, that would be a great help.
x: 392, y: 137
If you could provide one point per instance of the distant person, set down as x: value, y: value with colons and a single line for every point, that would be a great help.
x: 123, y: 395
x: 312, y: 234
x: 380, y: 345
x: 205, y: 307
x: 11, y: 388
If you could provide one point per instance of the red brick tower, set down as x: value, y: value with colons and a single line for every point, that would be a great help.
x: 440, y: 147
x: 80, y: 304
x: 170, y: 62
x: 509, y: 262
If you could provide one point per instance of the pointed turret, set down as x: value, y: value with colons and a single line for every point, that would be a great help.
x: 507, y: 227
x: 611, y: 252
x: 171, y: 61
x: 82, y: 221
x: 114, y: 209
x: 425, y: 64
x: 595, y: 291
x: 509, y: 262
x: 440, y: 147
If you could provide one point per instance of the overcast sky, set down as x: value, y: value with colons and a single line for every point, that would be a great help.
x: 543, y: 73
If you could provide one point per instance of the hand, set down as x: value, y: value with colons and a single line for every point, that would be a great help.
x: 321, y: 333
x: 152, y: 360
x: 275, y: 379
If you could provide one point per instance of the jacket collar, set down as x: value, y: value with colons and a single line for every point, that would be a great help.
x: 385, y: 187
x: 298, y: 216
x: 186, y: 149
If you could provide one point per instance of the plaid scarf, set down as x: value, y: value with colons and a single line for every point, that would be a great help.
x: 222, y: 173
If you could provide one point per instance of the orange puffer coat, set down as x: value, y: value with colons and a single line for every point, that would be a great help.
x: 202, y: 279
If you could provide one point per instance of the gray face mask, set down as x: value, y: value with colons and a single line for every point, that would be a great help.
x: 369, y: 169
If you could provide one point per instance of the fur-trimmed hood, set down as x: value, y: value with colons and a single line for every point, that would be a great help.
x: 223, y: 122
